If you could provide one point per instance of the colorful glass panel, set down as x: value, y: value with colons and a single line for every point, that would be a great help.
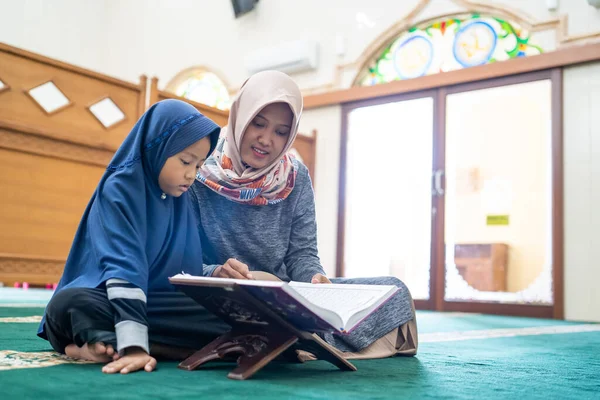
x: 448, y: 45
x: 206, y: 88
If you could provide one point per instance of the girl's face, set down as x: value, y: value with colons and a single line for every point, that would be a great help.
x: 266, y: 136
x: 179, y: 171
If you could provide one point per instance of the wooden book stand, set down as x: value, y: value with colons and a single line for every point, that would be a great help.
x: 258, y: 334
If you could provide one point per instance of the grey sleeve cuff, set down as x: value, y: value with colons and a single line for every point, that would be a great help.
x: 131, y: 334
x: 209, y: 270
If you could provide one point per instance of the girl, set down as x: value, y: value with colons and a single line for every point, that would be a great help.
x: 114, y: 297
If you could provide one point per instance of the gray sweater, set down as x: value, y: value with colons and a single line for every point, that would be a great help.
x: 280, y: 239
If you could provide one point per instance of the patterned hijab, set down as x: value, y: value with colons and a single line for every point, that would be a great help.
x: 224, y: 171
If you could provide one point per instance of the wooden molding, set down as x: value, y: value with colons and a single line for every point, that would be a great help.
x: 520, y: 310
x: 558, y: 258
x: 154, y: 92
x: 37, y: 270
x: 33, y: 144
x: 68, y: 67
x: 560, y: 58
x: 142, y: 100
x: 51, y: 134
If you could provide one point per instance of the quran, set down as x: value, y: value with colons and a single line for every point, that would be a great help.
x: 272, y: 319
x: 311, y: 307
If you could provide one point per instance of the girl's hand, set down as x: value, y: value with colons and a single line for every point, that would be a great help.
x: 133, y: 360
x: 233, y: 269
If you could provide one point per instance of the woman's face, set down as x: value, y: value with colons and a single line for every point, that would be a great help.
x: 266, y: 135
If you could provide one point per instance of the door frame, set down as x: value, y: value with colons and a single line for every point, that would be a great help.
x: 436, y: 299
x: 556, y: 310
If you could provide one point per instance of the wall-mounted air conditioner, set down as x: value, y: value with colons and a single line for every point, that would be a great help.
x: 298, y: 56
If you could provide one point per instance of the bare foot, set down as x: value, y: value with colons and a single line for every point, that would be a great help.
x: 97, y: 352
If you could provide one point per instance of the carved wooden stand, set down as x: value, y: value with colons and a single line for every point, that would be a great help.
x: 257, y: 349
x: 258, y: 335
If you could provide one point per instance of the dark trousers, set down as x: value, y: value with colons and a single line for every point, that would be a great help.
x: 84, y: 315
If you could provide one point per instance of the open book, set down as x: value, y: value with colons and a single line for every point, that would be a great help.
x: 309, y: 307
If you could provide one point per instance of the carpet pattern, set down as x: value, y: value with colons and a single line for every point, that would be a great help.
x: 466, y: 356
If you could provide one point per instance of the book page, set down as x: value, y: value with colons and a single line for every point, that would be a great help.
x: 344, y: 300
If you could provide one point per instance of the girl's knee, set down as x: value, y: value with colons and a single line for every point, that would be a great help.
x: 68, y: 299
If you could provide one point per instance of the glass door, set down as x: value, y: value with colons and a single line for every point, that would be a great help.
x: 387, y: 193
x: 498, y: 197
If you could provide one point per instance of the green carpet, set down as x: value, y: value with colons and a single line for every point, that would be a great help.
x: 561, y: 365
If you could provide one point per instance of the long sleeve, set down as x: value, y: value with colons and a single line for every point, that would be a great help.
x: 280, y: 239
x: 302, y: 258
x: 123, y: 259
x: 209, y: 270
x: 131, y: 322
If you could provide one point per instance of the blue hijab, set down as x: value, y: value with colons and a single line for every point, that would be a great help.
x: 128, y: 231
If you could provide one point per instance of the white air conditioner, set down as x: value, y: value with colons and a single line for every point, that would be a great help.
x: 298, y: 56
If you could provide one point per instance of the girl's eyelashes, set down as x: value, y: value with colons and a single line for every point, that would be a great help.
x: 200, y: 163
x: 185, y: 162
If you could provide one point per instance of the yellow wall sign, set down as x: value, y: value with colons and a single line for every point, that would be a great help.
x: 497, y: 220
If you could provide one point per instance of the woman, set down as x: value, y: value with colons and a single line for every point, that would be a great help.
x: 255, y: 206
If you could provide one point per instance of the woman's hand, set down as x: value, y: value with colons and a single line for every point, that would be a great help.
x: 233, y: 269
x: 320, y: 278
x: 134, y: 359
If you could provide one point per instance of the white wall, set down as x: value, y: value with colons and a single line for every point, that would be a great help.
x: 126, y: 38
x: 68, y: 30
x: 582, y: 191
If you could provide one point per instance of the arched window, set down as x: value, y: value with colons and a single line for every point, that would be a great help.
x: 445, y: 45
x: 201, y: 85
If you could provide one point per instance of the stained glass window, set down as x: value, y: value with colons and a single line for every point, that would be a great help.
x: 449, y: 44
x: 205, y: 87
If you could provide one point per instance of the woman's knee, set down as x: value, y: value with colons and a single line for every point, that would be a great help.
x: 392, y: 280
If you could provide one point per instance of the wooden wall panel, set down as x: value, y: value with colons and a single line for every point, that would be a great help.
x: 50, y: 164
x: 76, y: 124
x: 306, y: 147
x: 42, y: 202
